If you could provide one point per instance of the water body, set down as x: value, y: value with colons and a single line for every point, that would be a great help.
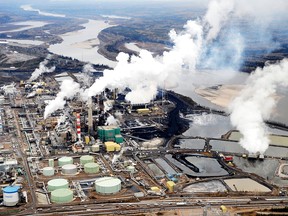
x: 133, y: 47
x: 208, y: 125
x: 265, y: 168
x: 192, y: 143
x: 208, y: 167
x: 165, y: 166
x: 26, y: 25
x: 83, y: 44
x: 234, y: 147
x: 28, y: 42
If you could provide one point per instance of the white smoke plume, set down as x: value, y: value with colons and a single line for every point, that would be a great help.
x: 111, y: 120
x: 255, y: 104
x: 42, y: 69
x: 86, y: 71
x: 88, y: 68
x: 116, y: 157
x: 217, y: 15
x: 68, y: 90
x: 143, y: 74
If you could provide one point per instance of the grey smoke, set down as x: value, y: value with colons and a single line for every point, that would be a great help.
x: 255, y: 104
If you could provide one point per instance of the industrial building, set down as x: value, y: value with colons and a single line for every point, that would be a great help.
x: 76, y: 157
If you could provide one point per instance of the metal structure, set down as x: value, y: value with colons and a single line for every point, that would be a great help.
x: 78, y: 126
x: 62, y: 195
x: 86, y: 159
x: 91, y: 168
x: 108, y: 185
x: 48, y: 171
x: 11, y: 195
x: 57, y: 184
x: 65, y: 160
x: 69, y: 169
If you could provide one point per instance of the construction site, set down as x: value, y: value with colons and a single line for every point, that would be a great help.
x: 108, y: 156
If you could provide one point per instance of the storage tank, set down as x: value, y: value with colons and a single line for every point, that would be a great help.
x: 11, y: 195
x: 107, y: 185
x: 69, y: 169
x: 91, y: 168
x: 131, y: 169
x: 48, y: 171
x: 57, y: 184
x: 86, y: 159
x: 119, y: 138
x: 51, y: 162
x: 62, y: 196
x: 87, y: 140
x: 65, y: 160
x: 95, y: 148
x: 117, y: 130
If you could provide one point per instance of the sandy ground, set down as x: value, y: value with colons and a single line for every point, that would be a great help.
x: 222, y: 95
x: 27, y: 25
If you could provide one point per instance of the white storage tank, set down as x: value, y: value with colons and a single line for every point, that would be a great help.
x: 131, y: 169
x: 69, y: 169
x: 95, y: 148
x: 55, y: 184
x: 62, y: 196
x: 51, y: 162
x: 86, y: 159
x: 65, y: 160
x: 48, y: 171
x: 107, y: 185
x: 91, y: 168
x: 11, y: 195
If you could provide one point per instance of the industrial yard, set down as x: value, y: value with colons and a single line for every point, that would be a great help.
x: 108, y: 152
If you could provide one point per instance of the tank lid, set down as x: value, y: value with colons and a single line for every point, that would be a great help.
x: 11, y: 189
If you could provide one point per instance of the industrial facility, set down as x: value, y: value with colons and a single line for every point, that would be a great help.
x: 109, y: 151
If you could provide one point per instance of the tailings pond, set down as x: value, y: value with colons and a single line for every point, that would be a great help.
x: 197, y: 165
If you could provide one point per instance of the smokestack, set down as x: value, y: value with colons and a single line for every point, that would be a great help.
x: 78, y: 126
x: 90, y: 118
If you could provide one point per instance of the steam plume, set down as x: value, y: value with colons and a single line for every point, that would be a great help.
x: 68, y: 90
x: 217, y: 15
x: 200, y: 41
x: 42, y: 69
x: 255, y: 103
x: 111, y: 120
x: 144, y: 74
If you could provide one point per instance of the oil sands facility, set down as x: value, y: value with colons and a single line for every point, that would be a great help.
x: 109, y: 156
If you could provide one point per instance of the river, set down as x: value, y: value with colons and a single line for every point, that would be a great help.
x: 83, y: 44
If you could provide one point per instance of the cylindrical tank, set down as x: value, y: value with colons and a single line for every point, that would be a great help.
x: 87, y: 140
x: 85, y: 150
x: 86, y: 159
x: 62, y: 196
x: 95, y: 148
x: 65, y: 160
x: 48, y: 171
x: 131, y: 169
x: 69, y: 169
x: 108, y: 185
x: 119, y: 139
x: 117, y: 130
x: 11, y: 195
x: 79, y: 150
x: 51, y: 162
x: 91, y: 168
x: 57, y: 184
